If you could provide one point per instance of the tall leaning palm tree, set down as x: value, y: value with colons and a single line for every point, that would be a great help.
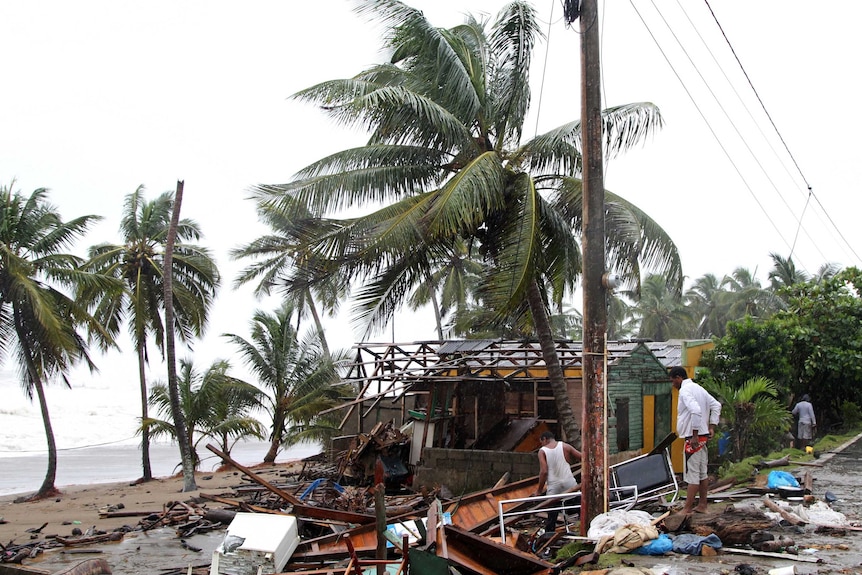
x: 139, y: 263
x: 445, y: 158
x: 38, y: 320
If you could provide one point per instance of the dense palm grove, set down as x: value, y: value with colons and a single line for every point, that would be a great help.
x: 459, y: 214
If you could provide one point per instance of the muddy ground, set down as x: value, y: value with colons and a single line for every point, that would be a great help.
x: 159, y: 551
x: 841, y: 475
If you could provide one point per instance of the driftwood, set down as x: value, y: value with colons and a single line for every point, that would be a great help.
x: 807, y: 463
x: 776, y: 462
x: 732, y: 525
x: 72, y: 541
x: 791, y: 518
x: 807, y: 482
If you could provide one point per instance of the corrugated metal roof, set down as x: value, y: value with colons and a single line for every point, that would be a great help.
x: 450, y: 347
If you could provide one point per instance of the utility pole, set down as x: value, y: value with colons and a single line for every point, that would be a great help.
x: 593, y: 465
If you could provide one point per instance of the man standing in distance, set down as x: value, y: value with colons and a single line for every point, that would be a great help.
x: 697, y: 414
x: 555, y: 470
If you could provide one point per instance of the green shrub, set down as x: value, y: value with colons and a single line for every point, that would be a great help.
x: 851, y: 416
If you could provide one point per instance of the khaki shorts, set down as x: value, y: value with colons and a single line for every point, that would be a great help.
x: 695, y: 467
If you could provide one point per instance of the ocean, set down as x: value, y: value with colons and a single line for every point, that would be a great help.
x: 94, y: 427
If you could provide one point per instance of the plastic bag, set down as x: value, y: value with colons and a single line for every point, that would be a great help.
x: 659, y: 546
x: 778, y: 479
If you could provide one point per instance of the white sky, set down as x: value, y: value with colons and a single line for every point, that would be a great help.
x: 100, y: 97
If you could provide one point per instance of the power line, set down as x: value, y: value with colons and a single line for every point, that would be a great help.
x: 708, y: 124
x: 25, y: 452
x: 805, y: 192
x: 778, y: 133
x: 733, y: 124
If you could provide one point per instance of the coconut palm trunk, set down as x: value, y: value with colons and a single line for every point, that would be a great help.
x: 47, y: 489
x: 277, y: 435
x: 556, y: 377
x: 145, y: 432
x: 186, y: 452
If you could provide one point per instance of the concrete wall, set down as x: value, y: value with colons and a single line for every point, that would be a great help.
x: 466, y: 470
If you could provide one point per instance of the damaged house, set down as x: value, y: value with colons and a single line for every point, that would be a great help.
x: 463, y: 413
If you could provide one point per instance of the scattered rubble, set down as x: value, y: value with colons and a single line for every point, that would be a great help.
x: 345, y: 529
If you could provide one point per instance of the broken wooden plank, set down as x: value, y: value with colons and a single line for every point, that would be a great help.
x: 791, y: 518
x: 487, y: 557
x: 254, y: 477
x: 788, y: 556
x: 71, y: 541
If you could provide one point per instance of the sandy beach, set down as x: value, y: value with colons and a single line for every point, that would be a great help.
x: 79, y: 505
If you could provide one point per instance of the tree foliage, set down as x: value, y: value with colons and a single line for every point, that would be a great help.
x: 39, y: 319
x: 299, y: 379
x: 750, y: 412
x: 215, y: 406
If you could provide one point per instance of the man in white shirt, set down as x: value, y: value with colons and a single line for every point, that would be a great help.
x: 555, y: 469
x: 697, y: 414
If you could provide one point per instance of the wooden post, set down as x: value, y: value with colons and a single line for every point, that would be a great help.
x: 380, y: 514
x: 593, y: 246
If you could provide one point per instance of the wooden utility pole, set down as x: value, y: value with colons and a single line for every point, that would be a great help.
x: 593, y: 246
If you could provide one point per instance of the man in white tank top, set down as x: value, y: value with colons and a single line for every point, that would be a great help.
x: 555, y: 460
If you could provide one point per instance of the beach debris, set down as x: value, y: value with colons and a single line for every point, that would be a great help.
x: 36, y: 529
x: 256, y: 542
x: 90, y: 539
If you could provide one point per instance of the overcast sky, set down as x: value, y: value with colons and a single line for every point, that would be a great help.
x: 101, y: 97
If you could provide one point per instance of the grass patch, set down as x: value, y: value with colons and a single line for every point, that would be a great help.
x: 744, y: 471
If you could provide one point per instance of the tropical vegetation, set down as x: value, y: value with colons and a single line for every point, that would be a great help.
x: 446, y: 161
x: 139, y: 263
x: 40, y: 319
x: 299, y: 379
x: 215, y: 406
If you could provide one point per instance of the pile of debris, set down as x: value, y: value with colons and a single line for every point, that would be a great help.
x: 313, y: 525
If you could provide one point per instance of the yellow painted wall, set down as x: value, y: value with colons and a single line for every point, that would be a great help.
x: 649, y: 422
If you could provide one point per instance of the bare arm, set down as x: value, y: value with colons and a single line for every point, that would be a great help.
x: 543, y: 473
x: 572, y: 455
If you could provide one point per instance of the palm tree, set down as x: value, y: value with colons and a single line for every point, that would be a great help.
x: 747, y: 296
x: 299, y: 379
x: 139, y: 263
x: 621, y: 320
x: 750, y: 411
x: 660, y: 311
x: 446, y: 116
x: 451, y: 285
x: 39, y: 321
x: 214, y: 404
x: 283, y: 263
x: 784, y: 272
x: 708, y: 303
